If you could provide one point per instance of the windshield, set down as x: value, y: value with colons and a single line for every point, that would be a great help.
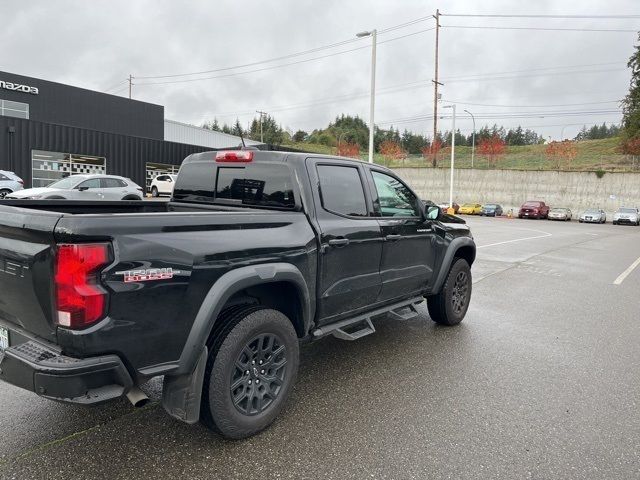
x: 592, y: 210
x: 490, y: 205
x: 468, y: 205
x: 627, y: 210
x: 559, y: 210
x: 66, y: 183
x: 531, y: 204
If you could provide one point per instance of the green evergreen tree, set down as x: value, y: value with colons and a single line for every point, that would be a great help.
x: 631, y: 103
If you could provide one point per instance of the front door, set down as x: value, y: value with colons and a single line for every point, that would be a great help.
x: 350, y: 240
x: 408, y: 250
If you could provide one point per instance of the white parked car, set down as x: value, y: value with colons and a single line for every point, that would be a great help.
x: 163, y: 185
x: 9, y: 183
x: 84, y: 187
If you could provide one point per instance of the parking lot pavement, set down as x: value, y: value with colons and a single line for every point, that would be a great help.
x: 540, y: 381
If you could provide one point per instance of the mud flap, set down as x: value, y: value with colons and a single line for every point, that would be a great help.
x: 181, y: 394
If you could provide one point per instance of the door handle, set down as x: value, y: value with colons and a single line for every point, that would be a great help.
x: 339, y: 242
x: 393, y: 237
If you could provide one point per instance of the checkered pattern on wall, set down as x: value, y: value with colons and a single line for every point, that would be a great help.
x: 48, y: 167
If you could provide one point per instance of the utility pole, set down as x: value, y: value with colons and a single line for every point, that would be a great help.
x: 435, y: 90
x: 261, y: 114
x: 130, y: 84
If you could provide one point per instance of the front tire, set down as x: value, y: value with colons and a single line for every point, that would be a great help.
x: 154, y: 192
x: 4, y: 192
x: 449, y: 306
x: 252, y: 366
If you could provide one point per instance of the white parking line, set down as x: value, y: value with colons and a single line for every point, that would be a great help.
x: 545, y: 234
x: 626, y: 273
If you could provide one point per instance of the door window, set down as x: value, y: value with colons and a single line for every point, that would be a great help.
x: 112, y: 183
x: 395, y: 198
x: 93, y: 183
x: 341, y: 190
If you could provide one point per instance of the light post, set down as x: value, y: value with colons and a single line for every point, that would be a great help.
x: 373, y: 34
x: 473, y: 137
x: 453, y: 151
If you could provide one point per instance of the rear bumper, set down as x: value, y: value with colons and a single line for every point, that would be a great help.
x: 41, y: 369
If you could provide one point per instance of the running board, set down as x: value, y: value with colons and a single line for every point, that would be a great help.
x: 360, y: 325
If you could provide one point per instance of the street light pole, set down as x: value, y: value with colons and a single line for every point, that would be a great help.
x: 373, y: 34
x: 453, y: 151
x: 473, y: 137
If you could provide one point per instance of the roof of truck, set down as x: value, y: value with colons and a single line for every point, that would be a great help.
x: 267, y: 156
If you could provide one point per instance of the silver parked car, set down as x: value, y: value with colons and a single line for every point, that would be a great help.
x: 563, y: 214
x: 85, y: 187
x: 9, y: 183
x: 630, y: 216
x: 593, y: 215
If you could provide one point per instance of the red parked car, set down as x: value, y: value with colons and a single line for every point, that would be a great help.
x: 533, y: 210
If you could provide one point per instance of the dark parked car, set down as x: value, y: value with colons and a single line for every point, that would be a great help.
x: 533, y: 209
x: 214, y: 290
x: 491, y: 210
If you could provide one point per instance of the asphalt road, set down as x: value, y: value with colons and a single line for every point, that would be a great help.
x: 541, y: 380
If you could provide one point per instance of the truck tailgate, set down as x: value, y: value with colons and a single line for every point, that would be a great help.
x: 26, y: 269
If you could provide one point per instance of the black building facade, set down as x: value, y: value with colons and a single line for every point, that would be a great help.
x: 50, y: 130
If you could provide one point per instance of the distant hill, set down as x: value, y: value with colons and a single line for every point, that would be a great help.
x: 593, y: 155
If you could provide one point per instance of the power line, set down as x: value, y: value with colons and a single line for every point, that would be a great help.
x: 106, y: 90
x: 537, y: 16
x: 291, y: 55
x: 188, y: 80
x: 509, y: 77
x: 530, y: 106
x: 559, y: 67
x: 486, y: 27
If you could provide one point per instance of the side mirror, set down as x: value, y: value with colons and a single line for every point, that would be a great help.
x: 432, y: 212
x: 169, y: 180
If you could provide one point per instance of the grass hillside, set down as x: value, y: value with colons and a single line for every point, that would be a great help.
x: 591, y: 155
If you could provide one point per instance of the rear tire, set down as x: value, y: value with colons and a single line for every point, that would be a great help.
x: 238, y: 404
x: 4, y: 192
x: 449, y: 306
x: 132, y: 197
x: 154, y: 192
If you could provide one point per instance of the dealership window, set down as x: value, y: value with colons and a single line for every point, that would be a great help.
x: 47, y: 167
x: 155, y: 169
x: 14, y: 109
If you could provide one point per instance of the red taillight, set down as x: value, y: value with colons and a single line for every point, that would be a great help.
x: 79, y: 300
x: 234, y: 156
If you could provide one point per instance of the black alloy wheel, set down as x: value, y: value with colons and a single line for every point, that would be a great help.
x: 259, y: 374
x: 460, y: 290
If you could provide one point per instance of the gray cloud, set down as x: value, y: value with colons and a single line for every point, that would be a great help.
x: 98, y: 44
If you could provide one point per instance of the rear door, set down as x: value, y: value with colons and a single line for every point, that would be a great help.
x: 350, y: 238
x: 113, y: 188
x: 407, y: 261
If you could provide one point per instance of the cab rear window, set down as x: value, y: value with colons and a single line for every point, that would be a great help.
x: 268, y: 185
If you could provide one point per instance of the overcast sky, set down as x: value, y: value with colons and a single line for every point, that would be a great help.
x: 490, y: 72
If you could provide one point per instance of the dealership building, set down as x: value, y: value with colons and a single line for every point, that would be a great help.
x: 49, y: 131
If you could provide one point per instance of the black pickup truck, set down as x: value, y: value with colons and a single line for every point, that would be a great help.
x: 255, y: 253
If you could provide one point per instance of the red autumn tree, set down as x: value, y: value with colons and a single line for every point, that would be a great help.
x: 391, y: 150
x: 431, y: 151
x: 347, y: 149
x: 492, y: 148
x: 561, y: 153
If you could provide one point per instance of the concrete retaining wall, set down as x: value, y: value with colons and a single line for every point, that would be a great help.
x: 510, y: 188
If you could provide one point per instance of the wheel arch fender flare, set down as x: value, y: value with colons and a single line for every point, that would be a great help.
x: 224, y: 288
x: 455, y: 246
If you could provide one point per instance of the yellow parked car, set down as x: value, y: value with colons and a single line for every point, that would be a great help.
x: 470, y: 209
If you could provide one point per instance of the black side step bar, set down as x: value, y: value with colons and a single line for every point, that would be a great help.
x: 360, y: 325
